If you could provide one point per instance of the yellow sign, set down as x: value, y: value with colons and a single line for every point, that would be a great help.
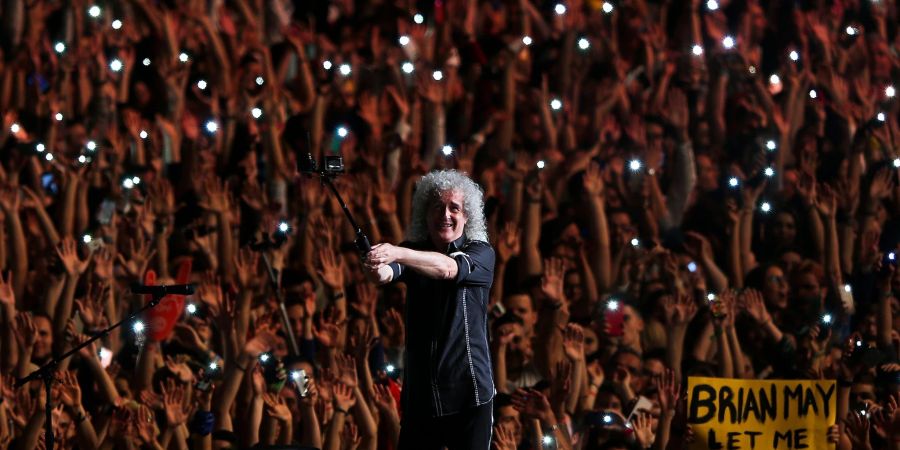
x: 729, y: 414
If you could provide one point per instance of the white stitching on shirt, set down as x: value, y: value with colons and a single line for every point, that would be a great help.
x: 469, y: 346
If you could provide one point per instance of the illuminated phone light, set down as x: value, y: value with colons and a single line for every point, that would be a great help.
x: 728, y: 42
x: 547, y: 440
x: 712, y: 5
x: 774, y: 79
x: 559, y: 9
x: 326, y: 64
x: 191, y: 308
x: 342, y: 131
x: 283, y: 227
x: 697, y: 50
x: 892, y: 256
x: 260, y: 81
x: 201, y: 84
x: 82, y: 159
x: 213, y: 366
x: 419, y: 19
x: 794, y: 55
x: 607, y: 418
x: 127, y: 183
x: 541, y: 164
x: 733, y: 182
x: 138, y: 327
x: 771, y: 145
x: 613, y: 305
x: 105, y: 353
x: 146, y: 62
x: 556, y: 104
x: 769, y: 172
x: 890, y: 92
x: 94, y: 11
x: 635, y: 242
x: 880, y: 117
x: 752, y: 70
x: 710, y: 296
x: 526, y: 40
x: 136, y: 180
x: 256, y: 113
x: 59, y: 47
x: 635, y: 165
x: 295, y: 375
x: 848, y: 288
x: 390, y: 368
x: 607, y: 7
x: 826, y: 319
x: 144, y: 134
x: 584, y: 44
x: 264, y: 357
x: 49, y: 156
x: 116, y: 24
x: 692, y: 266
x: 404, y: 40
x: 39, y: 147
x: 408, y: 67
x: 212, y: 126
x: 851, y: 31
x: 183, y: 57
x: 58, y: 117
x: 447, y: 150
x: 15, y: 128
x: 345, y: 69
x: 91, y: 145
x: 897, y: 163
x: 813, y: 94
x: 437, y: 75
x: 87, y: 239
x: 765, y: 207
x: 858, y: 343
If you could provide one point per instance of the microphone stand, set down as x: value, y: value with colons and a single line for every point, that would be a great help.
x: 46, y: 372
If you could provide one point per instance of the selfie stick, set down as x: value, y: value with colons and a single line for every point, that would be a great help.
x: 46, y: 372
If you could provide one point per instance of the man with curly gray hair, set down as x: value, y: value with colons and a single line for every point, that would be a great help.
x: 448, y: 267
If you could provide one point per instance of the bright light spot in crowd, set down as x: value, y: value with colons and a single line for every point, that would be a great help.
x: 634, y: 165
x: 728, y: 42
x: 765, y: 207
x: 897, y: 163
x: 256, y: 113
x: 892, y: 256
x: 560, y: 9
x: 127, y: 183
x: 138, y: 327
x: 613, y: 305
x: 447, y: 150
x: 697, y: 50
x: 826, y: 319
x: 404, y: 40
x: 82, y: 159
x: 880, y: 117
x: 116, y: 24
x: 264, y: 357
x: 547, y: 440
x: 692, y: 266
x: 342, y: 131
x: 541, y: 164
x: 770, y: 144
x: 345, y: 69
x: 851, y: 31
x: 212, y: 126
x: 408, y: 67
x: 710, y: 296
x: 283, y: 227
x: 752, y: 70
x: 213, y: 366
x: 774, y: 79
x: 712, y: 5
x: 146, y: 61
x: 183, y: 57
x: 635, y: 242
x: 607, y: 418
x: 437, y: 75
x: 58, y: 117
x: 49, y: 157
x: 813, y: 94
x: 584, y: 44
x: 260, y: 81
x: 526, y: 40
x: 847, y: 288
x: 794, y: 55
x: 607, y: 7
x: 115, y: 65
x: 87, y: 239
x: 94, y: 11
x: 418, y: 18
x: 390, y: 368
x: 144, y: 134
x: 769, y: 172
x: 105, y: 353
x: 295, y: 375
x: 191, y: 308
x: 201, y: 84
x: 556, y: 104
x: 858, y: 343
x: 91, y: 145
x: 39, y: 147
x: 733, y: 182
x: 136, y: 180
x: 59, y: 47
x: 15, y: 128
x: 326, y: 64
x: 890, y: 92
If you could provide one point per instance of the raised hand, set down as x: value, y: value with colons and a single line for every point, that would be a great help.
x: 366, y: 300
x: 394, y: 328
x: 68, y: 254
x: 7, y: 295
x: 533, y: 404
x: 91, y: 308
x: 668, y: 391
x: 332, y: 268
x: 751, y: 302
x: 173, y: 399
x: 26, y: 330
x: 384, y: 400
x: 103, y: 264
x: 264, y: 341
x: 858, y: 431
x: 327, y: 332
x: 246, y: 263
x: 503, y: 439
x: 680, y: 310
x: 343, y: 396
x: 69, y: 390
x: 552, y: 280
x: 509, y: 243
x: 139, y: 257
x: 347, y: 367
x: 276, y: 407
x: 573, y: 342
x: 643, y: 430
x: 214, y: 196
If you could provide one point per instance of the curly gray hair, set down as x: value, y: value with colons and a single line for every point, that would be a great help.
x: 431, y: 186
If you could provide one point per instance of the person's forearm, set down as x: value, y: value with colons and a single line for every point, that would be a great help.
x: 19, y: 256
x: 500, y: 377
x: 674, y: 349
x: 161, y: 241
x: 576, y: 382
x: 106, y: 387
x: 436, y: 136
x: 67, y: 214
x: 663, y: 430
x: 885, y: 316
x: 703, y: 345
x: 507, y: 127
x: 335, y: 428
x: 726, y: 363
x: 717, y: 110
x: 87, y: 436
x: 10, y: 346
x: 242, y: 321
x: 832, y: 257
x: 549, y: 336
x: 254, y: 419
x: 368, y: 430
x: 737, y: 355
x: 714, y: 275
x: 431, y: 264
x: 735, y: 268
x: 269, y: 431
x: 32, y: 432
x: 47, y: 225
x: 682, y: 184
x: 312, y: 436
x: 515, y: 201
x: 497, y: 288
x: 601, y: 259
x: 531, y: 231
x: 747, y: 257
x: 234, y: 375
x: 64, y: 308
x: 146, y: 365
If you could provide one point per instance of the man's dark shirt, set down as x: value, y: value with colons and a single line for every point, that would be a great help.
x: 448, y: 360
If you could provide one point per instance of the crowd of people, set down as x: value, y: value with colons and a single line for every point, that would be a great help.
x: 672, y: 189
